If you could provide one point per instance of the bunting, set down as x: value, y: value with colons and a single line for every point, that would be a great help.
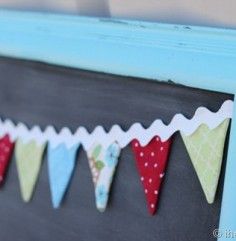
x: 203, y: 135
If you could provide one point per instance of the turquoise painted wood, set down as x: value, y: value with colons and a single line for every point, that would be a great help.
x: 192, y: 56
x: 228, y: 207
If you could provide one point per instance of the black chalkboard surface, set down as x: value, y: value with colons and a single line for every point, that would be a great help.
x: 37, y: 93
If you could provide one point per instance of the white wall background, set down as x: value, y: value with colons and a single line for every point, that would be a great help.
x: 220, y: 13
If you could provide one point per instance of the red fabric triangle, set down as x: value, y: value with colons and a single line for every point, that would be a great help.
x: 6, y: 149
x: 151, y: 162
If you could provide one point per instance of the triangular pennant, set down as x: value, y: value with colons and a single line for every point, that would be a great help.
x: 28, y: 161
x: 151, y: 161
x: 205, y: 148
x: 6, y: 149
x: 102, y: 163
x: 61, y: 163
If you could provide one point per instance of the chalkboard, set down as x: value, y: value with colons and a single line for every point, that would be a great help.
x: 36, y: 93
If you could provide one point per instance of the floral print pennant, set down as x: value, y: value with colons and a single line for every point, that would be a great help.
x: 102, y: 163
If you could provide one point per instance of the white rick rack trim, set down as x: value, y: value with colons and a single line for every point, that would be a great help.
x: 178, y: 123
x: 22, y: 131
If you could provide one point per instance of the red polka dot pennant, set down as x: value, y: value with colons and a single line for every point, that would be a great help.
x: 151, y: 162
x: 6, y: 148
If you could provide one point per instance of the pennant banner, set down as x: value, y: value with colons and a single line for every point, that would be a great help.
x: 203, y: 135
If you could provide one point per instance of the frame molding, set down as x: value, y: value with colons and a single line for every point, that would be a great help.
x: 193, y: 56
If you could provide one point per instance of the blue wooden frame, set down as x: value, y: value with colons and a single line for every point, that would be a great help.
x: 193, y: 56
